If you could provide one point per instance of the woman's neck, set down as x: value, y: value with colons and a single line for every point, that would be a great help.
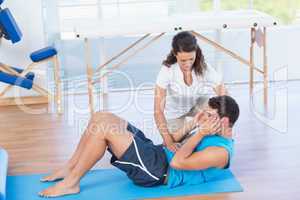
x: 186, y: 72
x: 187, y: 77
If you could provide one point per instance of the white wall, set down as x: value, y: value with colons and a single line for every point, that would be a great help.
x: 28, y: 14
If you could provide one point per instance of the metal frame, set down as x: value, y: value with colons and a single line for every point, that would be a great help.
x: 35, y: 87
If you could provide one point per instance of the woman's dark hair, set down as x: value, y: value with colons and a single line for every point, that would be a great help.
x: 186, y: 42
x: 226, y: 107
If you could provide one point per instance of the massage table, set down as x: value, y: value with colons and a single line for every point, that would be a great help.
x: 257, y: 22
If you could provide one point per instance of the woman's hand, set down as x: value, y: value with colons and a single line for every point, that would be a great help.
x: 221, y: 90
x: 170, y: 144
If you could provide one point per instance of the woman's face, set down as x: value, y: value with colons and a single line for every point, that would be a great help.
x: 186, y: 60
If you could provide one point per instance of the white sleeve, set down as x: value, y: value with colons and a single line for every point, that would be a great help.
x: 212, y: 76
x: 164, y: 77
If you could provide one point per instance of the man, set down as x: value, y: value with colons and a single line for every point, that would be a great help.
x: 203, y: 156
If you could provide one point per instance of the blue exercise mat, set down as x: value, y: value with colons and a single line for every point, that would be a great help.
x: 3, y: 173
x: 113, y: 184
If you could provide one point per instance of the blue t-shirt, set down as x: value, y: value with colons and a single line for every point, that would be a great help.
x: 191, y: 177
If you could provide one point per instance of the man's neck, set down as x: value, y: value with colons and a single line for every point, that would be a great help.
x: 227, y: 133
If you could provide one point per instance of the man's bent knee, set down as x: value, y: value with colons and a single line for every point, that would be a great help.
x: 99, y: 116
x: 107, y: 122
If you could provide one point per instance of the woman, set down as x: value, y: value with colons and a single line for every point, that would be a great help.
x: 181, y: 86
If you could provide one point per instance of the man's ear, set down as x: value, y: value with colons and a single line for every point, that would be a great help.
x: 225, y: 122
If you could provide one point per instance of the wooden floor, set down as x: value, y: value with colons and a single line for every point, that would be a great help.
x: 266, y: 160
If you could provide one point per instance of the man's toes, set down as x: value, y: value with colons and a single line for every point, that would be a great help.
x: 46, y: 193
x: 45, y: 179
x: 42, y: 194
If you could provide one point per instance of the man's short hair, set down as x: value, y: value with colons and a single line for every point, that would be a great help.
x: 226, y: 107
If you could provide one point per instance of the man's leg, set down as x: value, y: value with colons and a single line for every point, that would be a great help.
x: 105, y: 129
x: 65, y: 170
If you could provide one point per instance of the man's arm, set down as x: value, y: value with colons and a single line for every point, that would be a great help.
x: 185, y: 158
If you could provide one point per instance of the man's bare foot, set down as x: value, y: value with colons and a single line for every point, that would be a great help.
x: 60, y: 189
x: 57, y: 175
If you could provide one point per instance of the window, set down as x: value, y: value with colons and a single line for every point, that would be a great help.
x: 112, y: 8
x: 235, y: 5
x: 206, y: 5
x: 72, y: 12
x: 78, y: 12
x: 78, y: 9
x: 285, y: 10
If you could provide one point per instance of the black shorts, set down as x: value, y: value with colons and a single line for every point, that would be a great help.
x: 143, y: 162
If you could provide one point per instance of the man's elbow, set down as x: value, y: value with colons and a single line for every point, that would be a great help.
x: 176, y: 163
x: 182, y: 164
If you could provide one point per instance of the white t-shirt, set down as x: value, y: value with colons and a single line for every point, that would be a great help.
x: 181, y: 97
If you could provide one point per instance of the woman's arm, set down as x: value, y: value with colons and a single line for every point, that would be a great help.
x: 215, y: 78
x: 179, y: 134
x: 221, y: 90
x: 160, y: 120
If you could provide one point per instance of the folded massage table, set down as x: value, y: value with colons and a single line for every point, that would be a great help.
x: 22, y: 77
